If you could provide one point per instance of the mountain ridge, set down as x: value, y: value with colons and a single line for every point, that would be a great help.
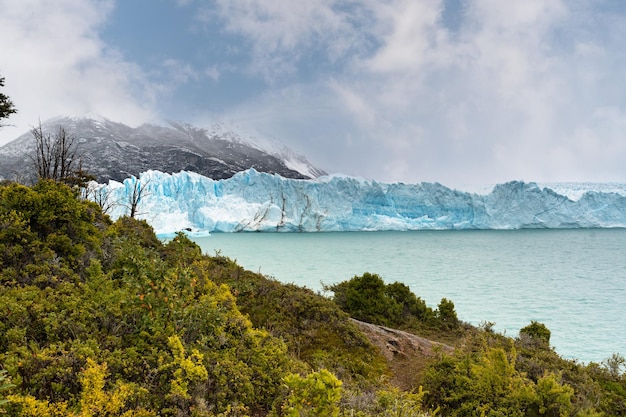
x: 114, y: 151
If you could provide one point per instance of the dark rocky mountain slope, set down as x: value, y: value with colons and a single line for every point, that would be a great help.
x: 114, y: 151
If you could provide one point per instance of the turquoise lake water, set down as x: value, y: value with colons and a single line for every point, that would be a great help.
x: 573, y: 281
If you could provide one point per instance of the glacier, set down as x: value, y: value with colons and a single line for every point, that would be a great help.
x: 253, y: 201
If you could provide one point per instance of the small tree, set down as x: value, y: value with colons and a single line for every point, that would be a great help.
x: 411, y: 305
x: 135, y: 196
x: 537, y: 333
x: 6, y: 105
x: 446, y: 314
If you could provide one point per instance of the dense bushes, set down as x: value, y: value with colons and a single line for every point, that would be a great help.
x: 102, y: 318
x: 369, y: 299
x: 314, y: 328
x: 489, y: 374
x: 488, y: 383
x: 47, y: 235
x: 84, y: 297
x: 164, y: 330
x: 500, y: 376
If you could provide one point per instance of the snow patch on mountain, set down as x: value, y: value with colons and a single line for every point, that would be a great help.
x: 116, y: 151
x: 237, y: 133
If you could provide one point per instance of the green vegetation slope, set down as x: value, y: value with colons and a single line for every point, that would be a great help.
x: 100, y: 318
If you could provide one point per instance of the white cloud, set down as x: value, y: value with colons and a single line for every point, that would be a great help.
x: 282, y: 32
x: 516, y: 91
x: 55, y: 63
x: 410, y: 33
x: 528, y: 89
x: 179, y: 72
x: 212, y: 72
x: 357, y: 105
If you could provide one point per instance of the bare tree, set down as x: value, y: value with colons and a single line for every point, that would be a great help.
x: 137, y: 194
x: 99, y: 194
x: 56, y: 157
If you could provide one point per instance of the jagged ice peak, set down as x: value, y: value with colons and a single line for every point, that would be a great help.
x: 254, y: 201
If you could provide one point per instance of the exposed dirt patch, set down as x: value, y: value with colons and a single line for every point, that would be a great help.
x: 407, y: 354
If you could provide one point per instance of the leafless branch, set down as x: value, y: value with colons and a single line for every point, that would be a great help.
x: 137, y: 194
x: 56, y: 157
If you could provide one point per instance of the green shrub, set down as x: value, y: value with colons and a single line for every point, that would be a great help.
x: 368, y: 298
x: 316, y: 394
x: 102, y: 318
x: 536, y: 333
x: 446, y: 315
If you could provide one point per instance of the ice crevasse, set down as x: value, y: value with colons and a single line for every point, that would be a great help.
x: 253, y: 201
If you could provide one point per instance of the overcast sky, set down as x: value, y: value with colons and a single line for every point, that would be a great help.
x: 453, y: 91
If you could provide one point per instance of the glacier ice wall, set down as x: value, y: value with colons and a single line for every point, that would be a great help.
x: 253, y: 201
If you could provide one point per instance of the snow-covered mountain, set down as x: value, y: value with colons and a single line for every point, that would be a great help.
x: 253, y: 201
x: 115, y: 151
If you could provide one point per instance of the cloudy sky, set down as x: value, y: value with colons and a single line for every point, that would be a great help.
x: 454, y: 91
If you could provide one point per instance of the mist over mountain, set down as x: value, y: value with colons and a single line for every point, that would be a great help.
x: 115, y: 151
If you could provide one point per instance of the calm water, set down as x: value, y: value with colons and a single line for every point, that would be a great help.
x: 574, y: 281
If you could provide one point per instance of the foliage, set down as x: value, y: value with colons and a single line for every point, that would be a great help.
x: 82, y: 289
x: 6, y: 105
x: 47, y: 235
x: 412, y: 307
x: 102, y: 318
x: 5, y: 385
x: 316, y: 394
x: 487, y: 383
x: 315, y: 329
x: 396, y: 403
x: 368, y: 298
x: 537, y: 333
x: 364, y: 299
x: 94, y: 399
x: 81, y: 295
x: 446, y: 315
x: 615, y: 365
x: 500, y: 376
x: 189, y: 373
x: 609, y: 384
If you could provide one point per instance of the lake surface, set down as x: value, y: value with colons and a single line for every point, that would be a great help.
x: 573, y: 281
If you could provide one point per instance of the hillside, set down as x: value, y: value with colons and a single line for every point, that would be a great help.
x: 114, y: 151
x: 102, y: 318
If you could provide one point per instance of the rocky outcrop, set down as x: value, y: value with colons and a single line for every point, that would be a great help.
x: 407, y: 354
